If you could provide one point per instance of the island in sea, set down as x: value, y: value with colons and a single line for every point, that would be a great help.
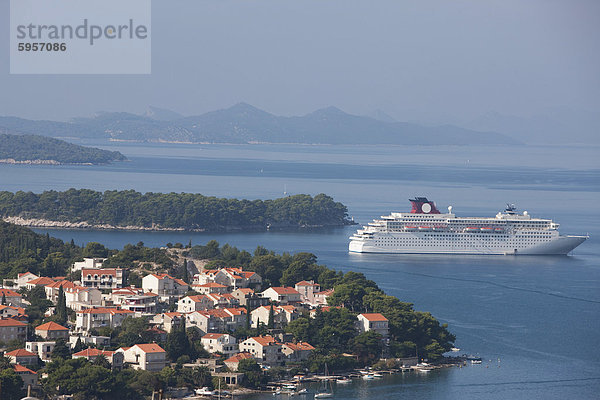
x: 36, y: 149
x: 131, y: 210
x: 98, y: 323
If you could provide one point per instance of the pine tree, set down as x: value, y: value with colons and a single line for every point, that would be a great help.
x: 248, y: 320
x: 271, y: 322
x: 3, y: 299
x: 78, y: 346
x: 61, y: 307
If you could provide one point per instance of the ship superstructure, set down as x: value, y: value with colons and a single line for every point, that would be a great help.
x: 426, y: 230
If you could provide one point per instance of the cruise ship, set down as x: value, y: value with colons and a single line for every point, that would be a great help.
x: 425, y: 230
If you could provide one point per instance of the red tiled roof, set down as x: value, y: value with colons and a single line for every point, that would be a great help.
x: 98, y: 271
x: 173, y: 314
x: 104, y: 310
x: 9, y: 293
x: 43, y: 281
x: 11, y: 322
x: 306, y: 283
x: 284, y: 290
x: 213, y: 335
x: 150, y: 348
x: 21, y: 353
x: 300, y: 346
x: 211, y: 284
x: 20, y: 368
x: 236, y: 310
x: 374, y: 317
x: 51, y: 326
x: 239, y: 357
x: 91, y: 352
x: 219, y: 313
x: 63, y: 284
x: 264, y: 340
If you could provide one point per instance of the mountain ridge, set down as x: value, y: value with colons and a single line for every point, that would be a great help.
x: 245, y: 123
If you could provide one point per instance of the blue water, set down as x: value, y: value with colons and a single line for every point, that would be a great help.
x: 534, y: 320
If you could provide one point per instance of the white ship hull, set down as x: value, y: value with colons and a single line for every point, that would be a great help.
x: 561, y: 245
x: 425, y: 230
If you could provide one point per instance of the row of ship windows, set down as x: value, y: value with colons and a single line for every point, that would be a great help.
x: 430, y: 243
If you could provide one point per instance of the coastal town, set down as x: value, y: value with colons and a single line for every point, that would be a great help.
x: 215, y: 305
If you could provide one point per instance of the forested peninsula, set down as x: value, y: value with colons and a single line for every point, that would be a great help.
x: 35, y: 149
x: 332, y: 330
x: 131, y: 210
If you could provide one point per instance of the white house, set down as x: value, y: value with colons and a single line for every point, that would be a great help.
x: 148, y: 356
x: 52, y: 330
x: 11, y: 329
x: 234, y: 361
x: 373, y: 322
x: 106, y: 278
x: 230, y: 277
x: 164, y: 285
x: 220, y: 343
x: 282, y: 315
x: 29, y: 377
x: 93, y: 318
x: 282, y: 295
x: 307, y: 290
x: 113, y: 357
x: 53, y: 289
x: 320, y: 298
x: 11, y: 297
x: 79, y: 297
x: 23, y: 278
x: 265, y: 349
x: 42, y: 349
x: 168, y: 321
x: 194, y: 303
x: 210, y: 287
x: 22, y: 356
x: 91, y: 263
x: 297, y: 352
x: 11, y: 311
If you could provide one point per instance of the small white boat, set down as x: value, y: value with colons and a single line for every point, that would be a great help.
x: 377, y: 375
x: 368, y: 377
x: 323, y: 395
x: 204, y: 391
x: 343, y: 381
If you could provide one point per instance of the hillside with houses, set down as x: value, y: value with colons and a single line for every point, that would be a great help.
x: 230, y: 319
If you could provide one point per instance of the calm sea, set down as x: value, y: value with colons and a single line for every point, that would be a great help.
x: 534, y: 320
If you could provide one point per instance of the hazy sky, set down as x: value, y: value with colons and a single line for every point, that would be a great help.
x: 412, y: 59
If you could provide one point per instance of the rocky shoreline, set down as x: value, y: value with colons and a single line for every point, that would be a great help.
x: 45, y: 223
x: 38, y: 162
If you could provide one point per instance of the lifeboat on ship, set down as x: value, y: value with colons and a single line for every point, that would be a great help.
x: 471, y: 229
x: 424, y: 229
x: 411, y: 228
x: 498, y: 230
x: 486, y: 229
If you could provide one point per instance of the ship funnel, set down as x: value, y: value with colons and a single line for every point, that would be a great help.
x: 449, y: 209
x: 420, y: 205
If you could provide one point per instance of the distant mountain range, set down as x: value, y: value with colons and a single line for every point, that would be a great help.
x: 243, y: 123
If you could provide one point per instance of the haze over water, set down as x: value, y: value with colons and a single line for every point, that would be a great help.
x: 534, y: 320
